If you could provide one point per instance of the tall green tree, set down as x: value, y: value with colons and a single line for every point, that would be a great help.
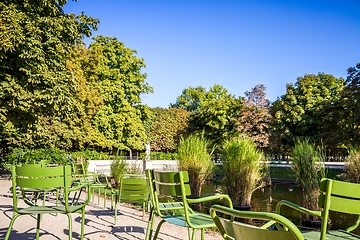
x: 37, y: 88
x: 216, y: 115
x: 190, y: 99
x: 350, y: 102
x: 121, y: 82
x: 165, y: 128
x: 299, y: 113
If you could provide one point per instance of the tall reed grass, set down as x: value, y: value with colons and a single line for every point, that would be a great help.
x: 352, y: 163
x: 242, y: 169
x: 308, y: 167
x: 195, y: 158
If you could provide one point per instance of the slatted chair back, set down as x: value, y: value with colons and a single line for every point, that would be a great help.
x: 45, y: 178
x: 79, y: 172
x: 341, y: 197
x: 133, y: 189
x: 35, y: 191
x: 40, y: 177
x: 237, y: 230
x: 172, y: 184
x: 155, y: 205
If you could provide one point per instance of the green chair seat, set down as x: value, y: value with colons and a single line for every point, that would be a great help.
x: 47, y: 209
x: 330, y: 235
x: 197, y: 219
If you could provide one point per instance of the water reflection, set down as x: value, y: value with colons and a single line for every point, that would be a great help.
x: 265, y: 200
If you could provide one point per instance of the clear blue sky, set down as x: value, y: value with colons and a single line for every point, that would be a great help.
x: 237, y: 44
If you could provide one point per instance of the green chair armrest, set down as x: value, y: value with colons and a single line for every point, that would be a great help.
x: 78, y: 187
x: 295, y: 207
x: 210, y: 198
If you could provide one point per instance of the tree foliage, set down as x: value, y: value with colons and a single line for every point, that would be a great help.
x: 350, y: 105
x: 165, y: 127
x: 300, y: 112
x: 190, y: 99
x: 37, y: 88
x: 216, y: 115
x: 121, y: 82
x: 255, y: 117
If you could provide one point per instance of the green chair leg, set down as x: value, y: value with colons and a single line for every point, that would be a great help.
x: 15, y: 216
x: 112, y: 202
x: 193, y: 234
x: 104, y: 198
x: 150, y: 225
x: 115, y: 213
x: 38, y: 220
x: 70, y: 226
x: 158, y: 229
x: 82, y: 223
x: 202, y: 234
x: 99, y: 190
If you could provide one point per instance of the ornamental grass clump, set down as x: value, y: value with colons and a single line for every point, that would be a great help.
x: 242, y: 168
x: 195, y: 158
x: 308, y: 167
x: 352, y: 163
x: 118, y: 168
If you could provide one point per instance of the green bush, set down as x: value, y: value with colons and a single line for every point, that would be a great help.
x: 90, y: 154
x: 53, y: 155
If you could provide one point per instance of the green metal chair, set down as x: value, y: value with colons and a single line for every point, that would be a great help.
x: 173, y: 184
x: 336, y: 196
x: 162, y: 207
x: 237, y: 230
x: 133, y: 189
x: 46, y: 178
x: 82, y: 175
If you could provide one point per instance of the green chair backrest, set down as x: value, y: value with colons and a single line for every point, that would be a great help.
x: 80, y: 172
x: 236, y: 230
x: 39, y: 177
x: 134, y: 188
x: 172, y: 184
x: 339, y: 196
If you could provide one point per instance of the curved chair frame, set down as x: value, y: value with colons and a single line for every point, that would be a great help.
x: 237, y: 230
x: 45, y: 178
x: 174, y: 184
x: 337, y: 196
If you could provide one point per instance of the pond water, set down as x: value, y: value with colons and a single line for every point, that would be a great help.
x: 265, y: 200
